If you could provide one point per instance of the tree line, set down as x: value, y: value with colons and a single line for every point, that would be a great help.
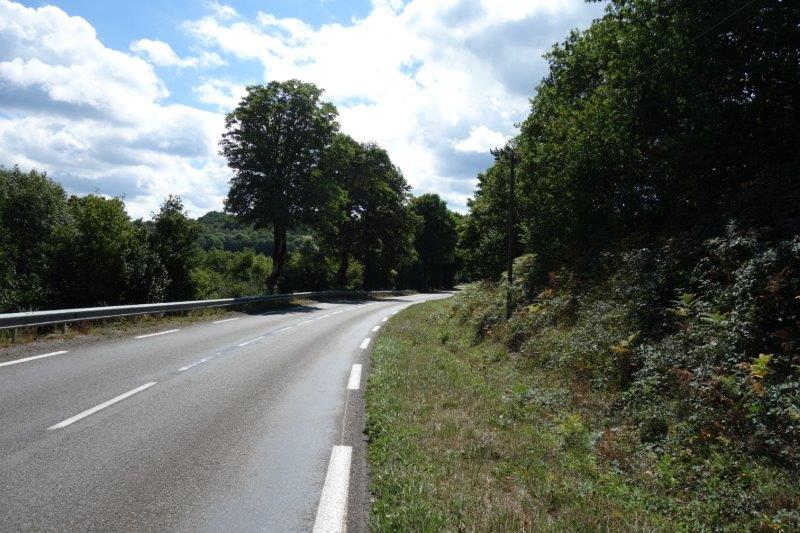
x: 654, y: 191
x: 309, y: 208
x: 663, y: 119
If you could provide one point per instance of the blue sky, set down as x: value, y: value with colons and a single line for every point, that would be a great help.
x: 127, y: 98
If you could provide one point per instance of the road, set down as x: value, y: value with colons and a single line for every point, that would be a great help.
x: 244, y: 424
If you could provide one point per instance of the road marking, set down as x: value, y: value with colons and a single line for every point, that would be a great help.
x: 324, y: 316
x: 226, y: 320
x: 304, y: 322
x: 384, y: 319
x: 365, y: 343
x: 251, y: 341
x: 332, y: 510
x: 103, y: 405
x: 156, y: 334
x: 200, y: 362
x: 17, y: 361
x: 376, y: 328
x: 283, y: 329
x: 355, y: 378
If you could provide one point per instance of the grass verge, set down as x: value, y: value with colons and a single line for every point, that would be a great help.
x: 465, y: 436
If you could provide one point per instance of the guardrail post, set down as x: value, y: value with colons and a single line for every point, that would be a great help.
x: 13, y: 335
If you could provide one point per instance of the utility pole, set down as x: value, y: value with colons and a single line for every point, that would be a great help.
x: 512, y: 160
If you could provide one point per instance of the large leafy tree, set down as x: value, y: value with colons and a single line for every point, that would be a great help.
x: 102, y: 257
x: 435, y: 242
x: 174, y: 237
x: 32, y: 208
x: 370, y: 222
x: 274, y: 143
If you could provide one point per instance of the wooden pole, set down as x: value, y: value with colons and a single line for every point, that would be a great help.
x: 510, y: 231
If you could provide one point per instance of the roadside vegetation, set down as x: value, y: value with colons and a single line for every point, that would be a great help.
x: 470, y: 432
x: 648, y: 376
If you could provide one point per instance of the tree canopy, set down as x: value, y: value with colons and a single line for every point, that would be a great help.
x: 274, y: 143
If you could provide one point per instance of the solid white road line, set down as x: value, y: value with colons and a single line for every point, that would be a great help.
x: 103, y: 405
x: 156, y: 334
x: 17, y: 361
x: 287, y: 328
x: 332, y: 510
x: 355, y: 378
x: 304, y: 322
x: 376, y: 328
x: 365, y: 343
x: 251, y: 341
x: 226, y: 320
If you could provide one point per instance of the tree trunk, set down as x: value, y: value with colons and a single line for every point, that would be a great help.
x: 278, y: 256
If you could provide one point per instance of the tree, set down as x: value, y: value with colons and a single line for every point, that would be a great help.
x: 369, y: 221
x: 174, y: 238
x: 103, y: 258
x: 435, y: 242
x: 32, y: 208
x: 274, y: 143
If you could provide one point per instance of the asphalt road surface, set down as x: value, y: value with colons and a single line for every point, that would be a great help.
x: 252, y: 423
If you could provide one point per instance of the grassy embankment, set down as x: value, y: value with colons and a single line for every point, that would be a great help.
x: 465, y: 435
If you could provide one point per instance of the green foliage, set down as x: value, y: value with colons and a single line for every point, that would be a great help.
x: 32, y: 209
x: 710, y: 433
x: 368, y: 221
x: 662, y: 119
x: 102, y: 258
x: 274, y: 143
x: 307, y: 269
x: 224, y: 274
x: 174, y: 238
x: 223, y: 231
x: 435, y: 240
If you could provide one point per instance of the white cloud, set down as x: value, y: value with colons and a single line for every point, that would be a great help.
x: 222, y: 11
x: 220, y: 93
x: 161, y: 54
x: 413, y: 76
x: 481, y: 139
x: 436, y: 83
x: 94, y: 118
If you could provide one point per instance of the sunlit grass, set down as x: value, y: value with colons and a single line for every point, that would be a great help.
x: 467, y: 438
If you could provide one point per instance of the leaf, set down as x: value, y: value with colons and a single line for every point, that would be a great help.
x: 759, y: 367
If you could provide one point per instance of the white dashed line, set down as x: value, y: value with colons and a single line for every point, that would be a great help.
x: 287, y: 328
x: 103, y: 405
x: 156, y: 334
x: 226, y: 320
x: 355, y: 378
x: 304, y: 322
x: 187, y: 367
x: 32, y: 358
x: 251, y: 341
x: 365, y: 343
x: 376, y: 328
x: 332, y: 510
x: 384, y: 319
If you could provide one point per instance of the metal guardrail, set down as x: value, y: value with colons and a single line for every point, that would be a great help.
x: 64, y: 316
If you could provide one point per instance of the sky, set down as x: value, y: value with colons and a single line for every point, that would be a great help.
x: 128, y: 99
